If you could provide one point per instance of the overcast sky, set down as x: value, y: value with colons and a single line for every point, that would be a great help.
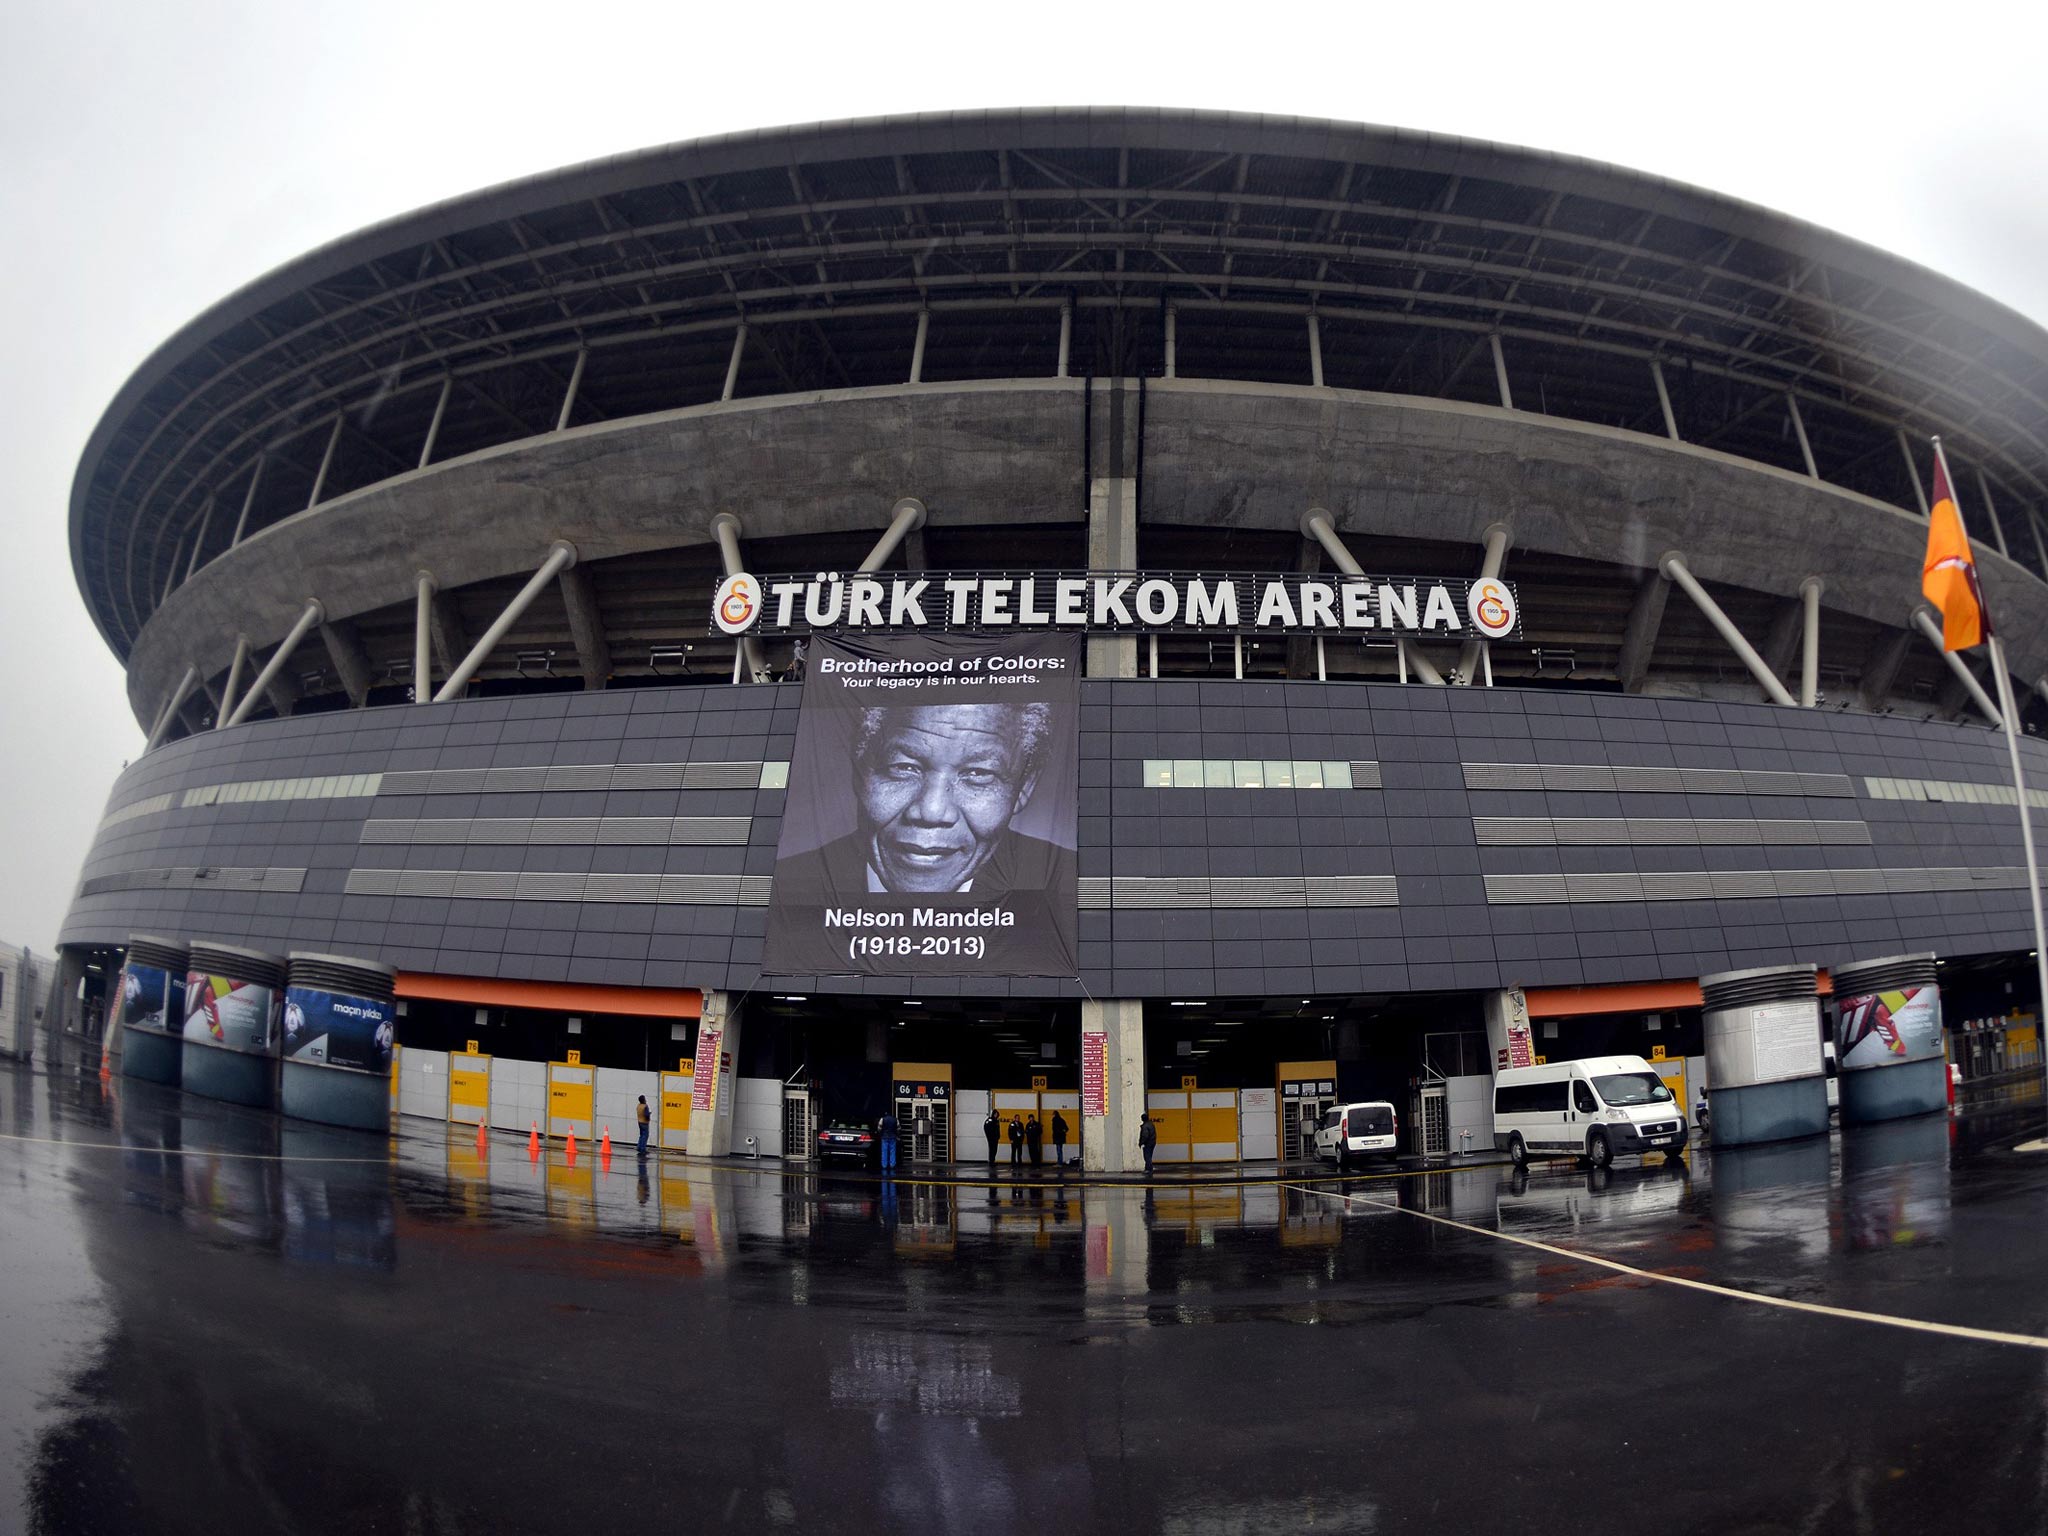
x: 158, y: 155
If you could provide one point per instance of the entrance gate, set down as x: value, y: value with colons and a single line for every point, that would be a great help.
x: 799, y: 1123
x: 1432, y: 1119
x: 924, y: 1111
x: 1306, y: 1090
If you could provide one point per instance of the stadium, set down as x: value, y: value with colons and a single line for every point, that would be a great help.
x: 418, y: 553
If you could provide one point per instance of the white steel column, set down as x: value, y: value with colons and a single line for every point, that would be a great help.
x: 725, y: 528
x: 561, y: 555
x: 1674, y: 568
x: 171, y: 707
x: 248, y: 501
x: 1930, y: 626
x: 199, y: 543
x: 1919, y: 490
x: 575, y: 383
x: 326, y: 463
x: 903, y: 517
x: 1066, y: 337
x: 422, y: 639
x: 1315, y: 524
x: 1799, y: 431
x: 1172, y: 339
x: 233, y: 691
x: 1315, y: 349
x: 2040, y: 550
x: 1664, y: 401
x: 1475, y: 652
x: 1500, y: 373
x: 732, y: 366
x: 434, y: 426
x: 1809, y: 654
x: 924, y: 326
x: 1991, y: 514
x: 312, y: 614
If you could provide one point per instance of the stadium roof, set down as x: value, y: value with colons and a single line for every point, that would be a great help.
x: 464, y: 320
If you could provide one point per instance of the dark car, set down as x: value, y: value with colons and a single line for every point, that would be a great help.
x: 846, y: 1140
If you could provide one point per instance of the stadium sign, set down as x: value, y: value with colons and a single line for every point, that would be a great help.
x: 1155, y: 602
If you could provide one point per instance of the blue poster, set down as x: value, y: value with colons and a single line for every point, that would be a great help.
x: 333, y: 1030
x: 149, y: 1000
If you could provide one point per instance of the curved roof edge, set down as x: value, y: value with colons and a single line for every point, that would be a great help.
x: 1047, y: 127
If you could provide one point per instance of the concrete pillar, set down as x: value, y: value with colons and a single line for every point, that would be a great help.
x: 1113, y: 1034
x: 716, y: 1084
x: 1113, y: 546
x: 1509, y: 1038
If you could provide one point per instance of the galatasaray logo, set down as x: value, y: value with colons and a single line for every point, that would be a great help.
x: 1492, y: 607
x: 737, y: 603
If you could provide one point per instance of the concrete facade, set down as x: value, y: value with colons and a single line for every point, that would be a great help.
x: 1216, y: 453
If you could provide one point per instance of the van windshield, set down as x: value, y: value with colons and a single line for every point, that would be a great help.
x: 1624, y: 1088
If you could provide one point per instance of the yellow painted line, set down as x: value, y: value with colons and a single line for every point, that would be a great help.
x: 1818, y: 1309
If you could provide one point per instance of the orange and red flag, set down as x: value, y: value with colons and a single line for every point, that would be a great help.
x: 1948, y: 576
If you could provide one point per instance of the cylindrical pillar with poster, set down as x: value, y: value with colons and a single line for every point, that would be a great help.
x: 1764, y: 1060
x: 152, y: 1005
x: 1888, y: 1039
x: 232, y: 999
x: 338, y: 1026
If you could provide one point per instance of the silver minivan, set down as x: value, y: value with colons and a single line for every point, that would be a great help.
x: 1369, y: 1129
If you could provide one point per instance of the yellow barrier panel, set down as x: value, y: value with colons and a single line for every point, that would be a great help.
x: 571, y: 1094
x: 469, y: 1089
x: 674, y: 1131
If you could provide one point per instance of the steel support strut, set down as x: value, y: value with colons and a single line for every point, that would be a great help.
x: 1315, y: 524
x: 725, y: 528
x: 561, y: 555
x: 1928, y: 625
x: 1674, y: 568
x: 422, y: 638
x: 312, y: 614
x: 1809, y: 651
x: 903, y: 517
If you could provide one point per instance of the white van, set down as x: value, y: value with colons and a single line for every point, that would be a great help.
x: 1358, y: 1130
x: 1592, y: 1109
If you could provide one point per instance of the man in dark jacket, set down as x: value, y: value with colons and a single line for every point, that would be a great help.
x: 1059, y: 1139
x: 1016, y: 1141
x: 1148, y: 1138
x: 886, y: 1130
x: 992, y: 1128
x: 1034, y: 1137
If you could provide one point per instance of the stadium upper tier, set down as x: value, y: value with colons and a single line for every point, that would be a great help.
x: 1427, y: 335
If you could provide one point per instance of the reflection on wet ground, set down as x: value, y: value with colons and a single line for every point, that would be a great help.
x: 215, y: 1320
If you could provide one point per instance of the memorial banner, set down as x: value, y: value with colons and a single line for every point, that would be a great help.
x: 146, y: 1000
x: 930, y: 823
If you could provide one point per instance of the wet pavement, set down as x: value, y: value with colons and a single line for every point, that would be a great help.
x: 211, y: 1320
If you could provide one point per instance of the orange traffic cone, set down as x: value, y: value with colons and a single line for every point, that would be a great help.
x: 481, y: 1145
x: 533, y: 1142
x: 605, y: 1150
x: 572, y: 1146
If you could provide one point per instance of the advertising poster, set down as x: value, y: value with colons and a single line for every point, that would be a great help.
x: 145, y: 997
x: 332, y: 1030
x: 238, y: 1015
x: 1884, y: 1028
x: 930, y: 823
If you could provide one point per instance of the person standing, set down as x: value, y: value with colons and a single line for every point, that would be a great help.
x: 1034, y: 1137
x: 886, y: 1129
x: 992, y: 1128
x: 1148, y: 1138
x: 1059, y: 1139
x: 645, y: 1117
x: 1016, y: 1142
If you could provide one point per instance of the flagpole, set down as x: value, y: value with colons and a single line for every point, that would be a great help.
x: 2008, y: 706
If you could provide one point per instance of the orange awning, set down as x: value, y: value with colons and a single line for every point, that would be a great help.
x: 1625, y: 997
x: 557, y: 996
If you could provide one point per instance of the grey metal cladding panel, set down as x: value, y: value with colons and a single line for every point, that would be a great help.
x: 721, y: 775
x: 644, y: 776
x: 1503, y: 776
x: 1365, y: 774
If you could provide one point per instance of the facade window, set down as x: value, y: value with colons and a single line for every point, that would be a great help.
x: 1245, y: 773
